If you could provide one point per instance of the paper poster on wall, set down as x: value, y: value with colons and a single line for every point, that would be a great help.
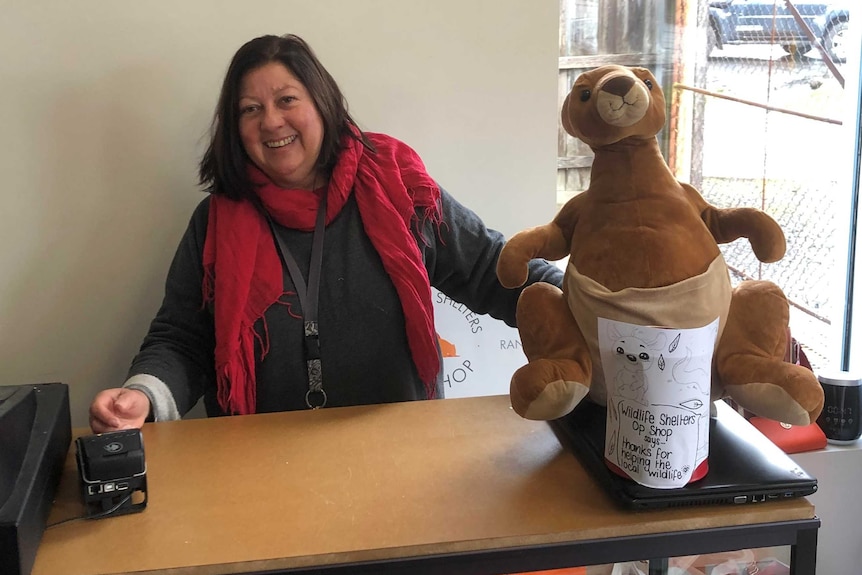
x: 480, y: 353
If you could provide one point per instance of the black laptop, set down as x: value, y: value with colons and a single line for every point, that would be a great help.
x: 744, y: 465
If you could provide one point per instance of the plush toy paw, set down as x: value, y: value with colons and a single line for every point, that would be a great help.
x: 546, y: 389
x: 542, y: 241
x: 783, y: 392
x: 750, y: 358
x: 513, y: 265
x: 559, y: 371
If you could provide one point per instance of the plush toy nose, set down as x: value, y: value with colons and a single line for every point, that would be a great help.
x: 631, y: 358
x: 619, y: 86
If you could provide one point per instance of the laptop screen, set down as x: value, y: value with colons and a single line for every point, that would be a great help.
x: 744, y: 465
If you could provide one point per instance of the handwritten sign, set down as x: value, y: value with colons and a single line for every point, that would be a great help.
x: 658, y: 383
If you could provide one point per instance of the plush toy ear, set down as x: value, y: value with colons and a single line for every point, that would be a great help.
x: 565, y: 118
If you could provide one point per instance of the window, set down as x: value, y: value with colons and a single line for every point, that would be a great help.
x: 759, y: 117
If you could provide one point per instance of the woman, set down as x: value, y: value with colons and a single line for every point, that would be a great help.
x: 269, y: 307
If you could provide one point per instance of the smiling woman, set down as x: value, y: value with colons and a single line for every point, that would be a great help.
x: 317, y: 237
x: 275, y: 88
x: 105, y: 121
x: 280, y: 127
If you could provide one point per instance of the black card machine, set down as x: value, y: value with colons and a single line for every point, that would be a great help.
x: 113, y: 472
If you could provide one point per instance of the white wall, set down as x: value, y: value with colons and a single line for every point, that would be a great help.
x: 104, y: 106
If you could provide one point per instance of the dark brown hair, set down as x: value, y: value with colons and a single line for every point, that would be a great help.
x: 222, y: 169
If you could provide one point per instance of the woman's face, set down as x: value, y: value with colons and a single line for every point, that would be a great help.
x: 280, y: 127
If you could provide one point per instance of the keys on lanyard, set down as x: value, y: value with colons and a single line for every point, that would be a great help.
x: 315, y: 397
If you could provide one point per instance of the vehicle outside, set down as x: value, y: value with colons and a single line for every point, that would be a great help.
x: 772, y: 22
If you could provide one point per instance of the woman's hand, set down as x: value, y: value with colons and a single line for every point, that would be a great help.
x: 119, y: 408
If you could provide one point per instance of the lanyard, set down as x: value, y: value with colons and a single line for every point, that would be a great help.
x: 315, y: 397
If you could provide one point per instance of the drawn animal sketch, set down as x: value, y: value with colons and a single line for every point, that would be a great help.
x: 691, y: 374
x: 634, y: 355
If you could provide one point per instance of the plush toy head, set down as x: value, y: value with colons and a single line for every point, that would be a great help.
x: 643, y: 252
x: 605, y: 106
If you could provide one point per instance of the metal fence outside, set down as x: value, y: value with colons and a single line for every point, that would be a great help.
x: 770, y: 137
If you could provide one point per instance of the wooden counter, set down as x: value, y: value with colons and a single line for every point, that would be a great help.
x: 345, y: 485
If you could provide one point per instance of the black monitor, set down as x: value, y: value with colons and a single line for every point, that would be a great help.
x: 35, y: 434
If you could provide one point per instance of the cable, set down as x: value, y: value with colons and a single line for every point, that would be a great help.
x: 101, y: 515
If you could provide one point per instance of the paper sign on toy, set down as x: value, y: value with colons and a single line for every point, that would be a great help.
x: 658, y: 382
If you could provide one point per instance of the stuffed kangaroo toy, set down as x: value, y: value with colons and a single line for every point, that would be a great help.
x: 643, y: 250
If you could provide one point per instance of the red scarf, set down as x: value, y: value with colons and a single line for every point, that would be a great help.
x: 243, y: 273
